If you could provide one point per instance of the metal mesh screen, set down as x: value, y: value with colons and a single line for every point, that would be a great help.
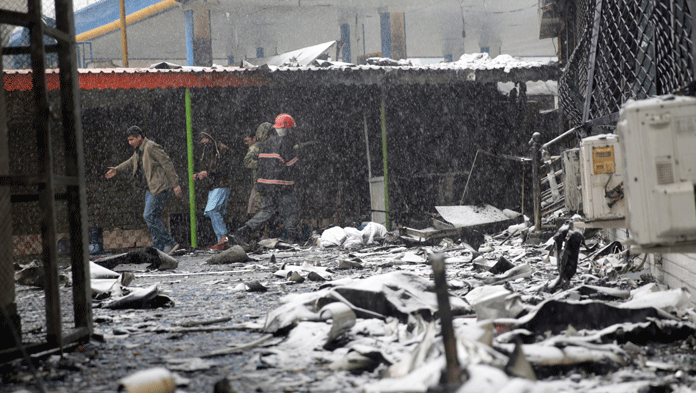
x: 626, y: 49
x: 15, y: 5
x: 18, y: 36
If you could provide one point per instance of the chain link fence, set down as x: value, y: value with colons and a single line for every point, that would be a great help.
x: 18, y: 36
x: 627, y: 49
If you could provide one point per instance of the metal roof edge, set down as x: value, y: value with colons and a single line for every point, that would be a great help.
x: 144, y: 78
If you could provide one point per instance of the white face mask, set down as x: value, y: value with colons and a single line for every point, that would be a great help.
x: 281, y: 131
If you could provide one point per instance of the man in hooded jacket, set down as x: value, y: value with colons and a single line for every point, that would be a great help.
x: 251, y: 162
x: 215, y: 163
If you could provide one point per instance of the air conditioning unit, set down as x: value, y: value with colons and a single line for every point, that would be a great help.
x: 602, y: 179
x: 658, y: 140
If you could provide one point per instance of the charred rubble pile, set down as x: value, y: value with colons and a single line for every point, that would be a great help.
x: 481, y: 307
x: 571, y: 313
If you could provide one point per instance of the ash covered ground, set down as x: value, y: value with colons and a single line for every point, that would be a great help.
x: 217, y: 330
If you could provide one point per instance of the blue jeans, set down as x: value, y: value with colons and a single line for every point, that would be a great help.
x: 216, y: 209
x: 154, y: 205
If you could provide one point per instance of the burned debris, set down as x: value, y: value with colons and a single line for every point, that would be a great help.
x: 416, y: 315
x: 471, y: 298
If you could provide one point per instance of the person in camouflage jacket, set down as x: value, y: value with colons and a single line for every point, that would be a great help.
x: 276, y: 166
x: 251, y: 162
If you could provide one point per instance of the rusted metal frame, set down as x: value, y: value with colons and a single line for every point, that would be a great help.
x: 592, y: 60
x: 46, y: 189
x: 9, y: 318
x: 25, y: 50
x: 69, y: 339
x: 14, y: 18
x: 24, y: 180
x: 75, y: 168
x: 57, y: 34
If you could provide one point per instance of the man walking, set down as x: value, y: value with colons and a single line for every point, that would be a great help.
x: 216, y: 164
x: 251, y: 162
x: 152, y: 171
x: 275, y: 171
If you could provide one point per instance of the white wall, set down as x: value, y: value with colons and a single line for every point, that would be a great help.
x: 678, y: 270
x: 158, y: 38
x: 674, y: 270
x: 433, y: 29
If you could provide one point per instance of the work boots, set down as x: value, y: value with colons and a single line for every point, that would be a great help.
x: 242, y: 236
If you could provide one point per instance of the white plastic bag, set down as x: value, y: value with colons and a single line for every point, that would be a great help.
x: 333, y: 237
x: 372, y: 232
x: 354, y: 238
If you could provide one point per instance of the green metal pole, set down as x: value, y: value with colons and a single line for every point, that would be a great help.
x: 383, y: 110
x: 192, y: 191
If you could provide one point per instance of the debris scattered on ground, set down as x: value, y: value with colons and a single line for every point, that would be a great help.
x: 233, y: 254
x: 143, y: 298
x: 154, y: 258
x: 366, y: 318
x: 34, y: 275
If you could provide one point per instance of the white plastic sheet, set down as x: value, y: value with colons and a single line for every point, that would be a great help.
x: 333, y: 237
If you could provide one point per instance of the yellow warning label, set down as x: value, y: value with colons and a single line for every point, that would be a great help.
x: 603, y: 160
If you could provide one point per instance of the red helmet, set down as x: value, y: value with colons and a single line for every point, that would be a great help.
x: 284, y: 121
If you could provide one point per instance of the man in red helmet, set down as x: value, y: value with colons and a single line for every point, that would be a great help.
x: 283, y: 124
x: 276, y: 182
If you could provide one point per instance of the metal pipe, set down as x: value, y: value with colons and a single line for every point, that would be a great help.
x: 453, y: 372
x: 383, y: 112
x: 130, y: 19
x: 188, y: 31
x: 559, y: 138
x: 124, y: 39
x: 534, y: 142
x: 192, y: 190
x: 367, y: 146
x: 522, y: 190
x: 466, y: 186
x: 369, y: 166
